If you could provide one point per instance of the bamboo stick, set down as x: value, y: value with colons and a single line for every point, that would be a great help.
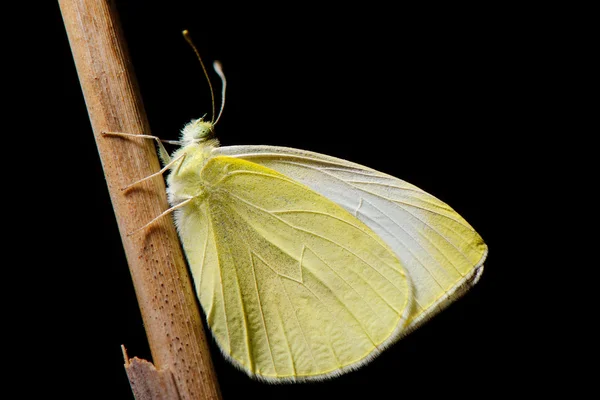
x: 162, y: 284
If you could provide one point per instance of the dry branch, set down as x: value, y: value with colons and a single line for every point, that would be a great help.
x: 162, y: 284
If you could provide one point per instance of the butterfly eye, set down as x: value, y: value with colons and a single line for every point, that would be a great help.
x: 197, y: 131
x: 205, y: 132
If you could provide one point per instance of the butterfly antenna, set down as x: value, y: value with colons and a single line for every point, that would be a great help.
x: 188, y: 39
x: 219, y: 69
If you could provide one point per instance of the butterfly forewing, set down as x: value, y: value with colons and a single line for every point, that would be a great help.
x: 442, y: 253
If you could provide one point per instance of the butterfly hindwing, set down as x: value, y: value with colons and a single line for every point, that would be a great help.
x: 293, y: 285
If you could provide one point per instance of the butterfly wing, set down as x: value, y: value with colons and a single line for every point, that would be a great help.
x: 442, y: 253
x: 293, y: 286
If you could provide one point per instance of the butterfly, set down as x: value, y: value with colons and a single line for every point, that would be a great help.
x: 307, y: 265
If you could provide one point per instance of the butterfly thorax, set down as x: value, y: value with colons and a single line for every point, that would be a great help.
x: 185, y: 179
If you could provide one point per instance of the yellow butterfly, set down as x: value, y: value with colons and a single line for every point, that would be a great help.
x: 307, y: 265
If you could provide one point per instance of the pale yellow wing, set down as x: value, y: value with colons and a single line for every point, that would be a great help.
x: 293, y: 286
x: 441, y: 252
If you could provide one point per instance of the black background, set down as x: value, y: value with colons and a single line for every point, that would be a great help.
x: 426, y: 95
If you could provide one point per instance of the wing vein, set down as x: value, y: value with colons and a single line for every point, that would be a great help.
x: 328, y: 240
x: 352, y: 287
x: 334, y: 317
x: 411, y: 205
x: 348, y: 182
x: 262, y: 314
x: 204, y: 251
x: 419, y: 191
x: 229, y: 175
x: 245, y: 319
x: 285, y: 335
x: 417, y: 243
x: 298, y: 322
x: 222, y: 291
x: 375, y: 238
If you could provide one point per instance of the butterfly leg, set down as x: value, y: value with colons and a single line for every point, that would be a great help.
x: 163, y: 153
x: 162, y: 171
x: 164, y: 213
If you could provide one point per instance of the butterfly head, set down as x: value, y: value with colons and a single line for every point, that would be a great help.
x: 197, y: 131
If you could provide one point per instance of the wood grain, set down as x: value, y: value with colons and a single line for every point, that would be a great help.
x: 164, y: 291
